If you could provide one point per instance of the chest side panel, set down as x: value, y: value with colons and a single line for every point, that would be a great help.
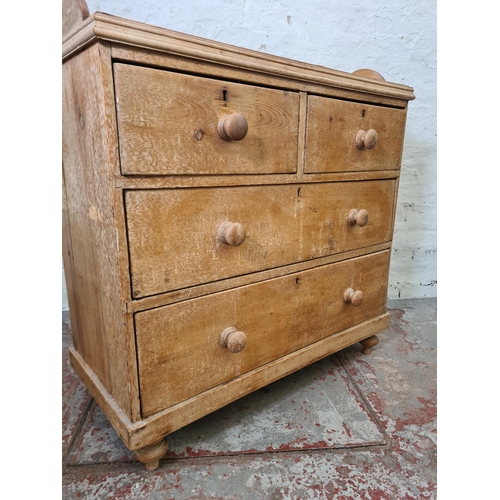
x: 92, y: 203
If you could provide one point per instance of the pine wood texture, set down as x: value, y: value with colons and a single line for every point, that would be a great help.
x: 369, y: 343
x: 68, y: 267
x: 173, y: 127
x: 120, y: 421
x: 74, y: 12
x: 233, y: 127
x: 97, y: 287
x: 125, y: 33
x: 151, y: 454
x: 313, y: 82
x: 369, y: 73
x: 235, y: 180
x: 166, y: 298
x: 179, y: 349
x: 177, y: 416
x: 173, y: 234
x: 332, y: 127
x: 227, y: 217
x: 146, y: 431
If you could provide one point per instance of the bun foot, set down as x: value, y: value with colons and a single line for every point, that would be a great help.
x: 151, y: 454
x: 369, y: 343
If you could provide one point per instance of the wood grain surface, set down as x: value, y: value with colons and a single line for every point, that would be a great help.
x: 332, y: 126
x: 172, y: 128
x: 74, y: 12
x: 173, y: 234
x: 296, y: 82
x: 227, y: 217
x: 178, y: 181
x: 147, y: 431
x: 141, y: 39
x: 192, y: 292
x: 98, y: 286
x: 179, y: 349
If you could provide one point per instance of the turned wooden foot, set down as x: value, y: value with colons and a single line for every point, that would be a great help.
x: 151, y: 454
x: 369, y: 343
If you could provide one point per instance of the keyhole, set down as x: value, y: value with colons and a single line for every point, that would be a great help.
x: 296, y: 281
x: 298, y: 193
x: 224, y: 95
x: 363, y: 113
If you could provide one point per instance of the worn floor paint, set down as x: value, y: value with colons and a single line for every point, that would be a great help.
x: 378, y: 411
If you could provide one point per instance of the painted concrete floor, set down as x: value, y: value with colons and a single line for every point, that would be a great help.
x: 350, y: 426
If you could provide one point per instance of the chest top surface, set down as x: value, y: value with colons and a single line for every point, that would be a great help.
x: 132, y: 34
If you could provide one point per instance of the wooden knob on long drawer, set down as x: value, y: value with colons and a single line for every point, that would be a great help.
x: 233, y: 127
x: 231, y: 233
x: 366, y: 140
x: 233, y: 339
x: 354, y: 297
x: 358, y: 217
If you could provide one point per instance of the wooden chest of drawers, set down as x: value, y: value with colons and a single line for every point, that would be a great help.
x: 227, y: 219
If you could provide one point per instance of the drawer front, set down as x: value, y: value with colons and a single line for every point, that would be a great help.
x: 176, y: 236
x: 168, y: 124
x: 332, y: 130
x: 179, y: 346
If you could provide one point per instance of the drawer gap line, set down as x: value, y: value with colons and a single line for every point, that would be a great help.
x: 141, y: 304
x: 285, y: 86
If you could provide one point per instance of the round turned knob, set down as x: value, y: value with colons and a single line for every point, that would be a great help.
x: 233, y: 127
x: 231, y: 233
x: 358, y: 217
x: 234, y: 340
x: 353, y: 297
x: 366, y: 140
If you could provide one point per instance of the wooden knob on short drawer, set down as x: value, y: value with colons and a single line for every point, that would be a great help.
x: 231, y: 233
x: 366, y: 140
x: 354, y: 297
x: 233, y: 127
x: 358, y: 217
x: 233, y: 339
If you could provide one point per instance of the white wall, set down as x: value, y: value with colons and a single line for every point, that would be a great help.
x: 397, y: 38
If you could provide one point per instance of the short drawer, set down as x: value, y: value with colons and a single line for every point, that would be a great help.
x: 168, y: 124
x: 345, y: 136
x: 180, y: 349
x: 184, y: 237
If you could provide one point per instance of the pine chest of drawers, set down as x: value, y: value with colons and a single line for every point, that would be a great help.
x: 227, y: 219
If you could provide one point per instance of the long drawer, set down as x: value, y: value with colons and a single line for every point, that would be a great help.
x: 169, y: 125
x: 176, y: 237
x: 180, y: 351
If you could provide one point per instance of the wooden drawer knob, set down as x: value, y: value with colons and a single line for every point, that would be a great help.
x: 353, y: 297
x: 358, y: 217
x: 231, y: 233
x: 366, y: 140
x: 234, y: 340
x: 233, y: 127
